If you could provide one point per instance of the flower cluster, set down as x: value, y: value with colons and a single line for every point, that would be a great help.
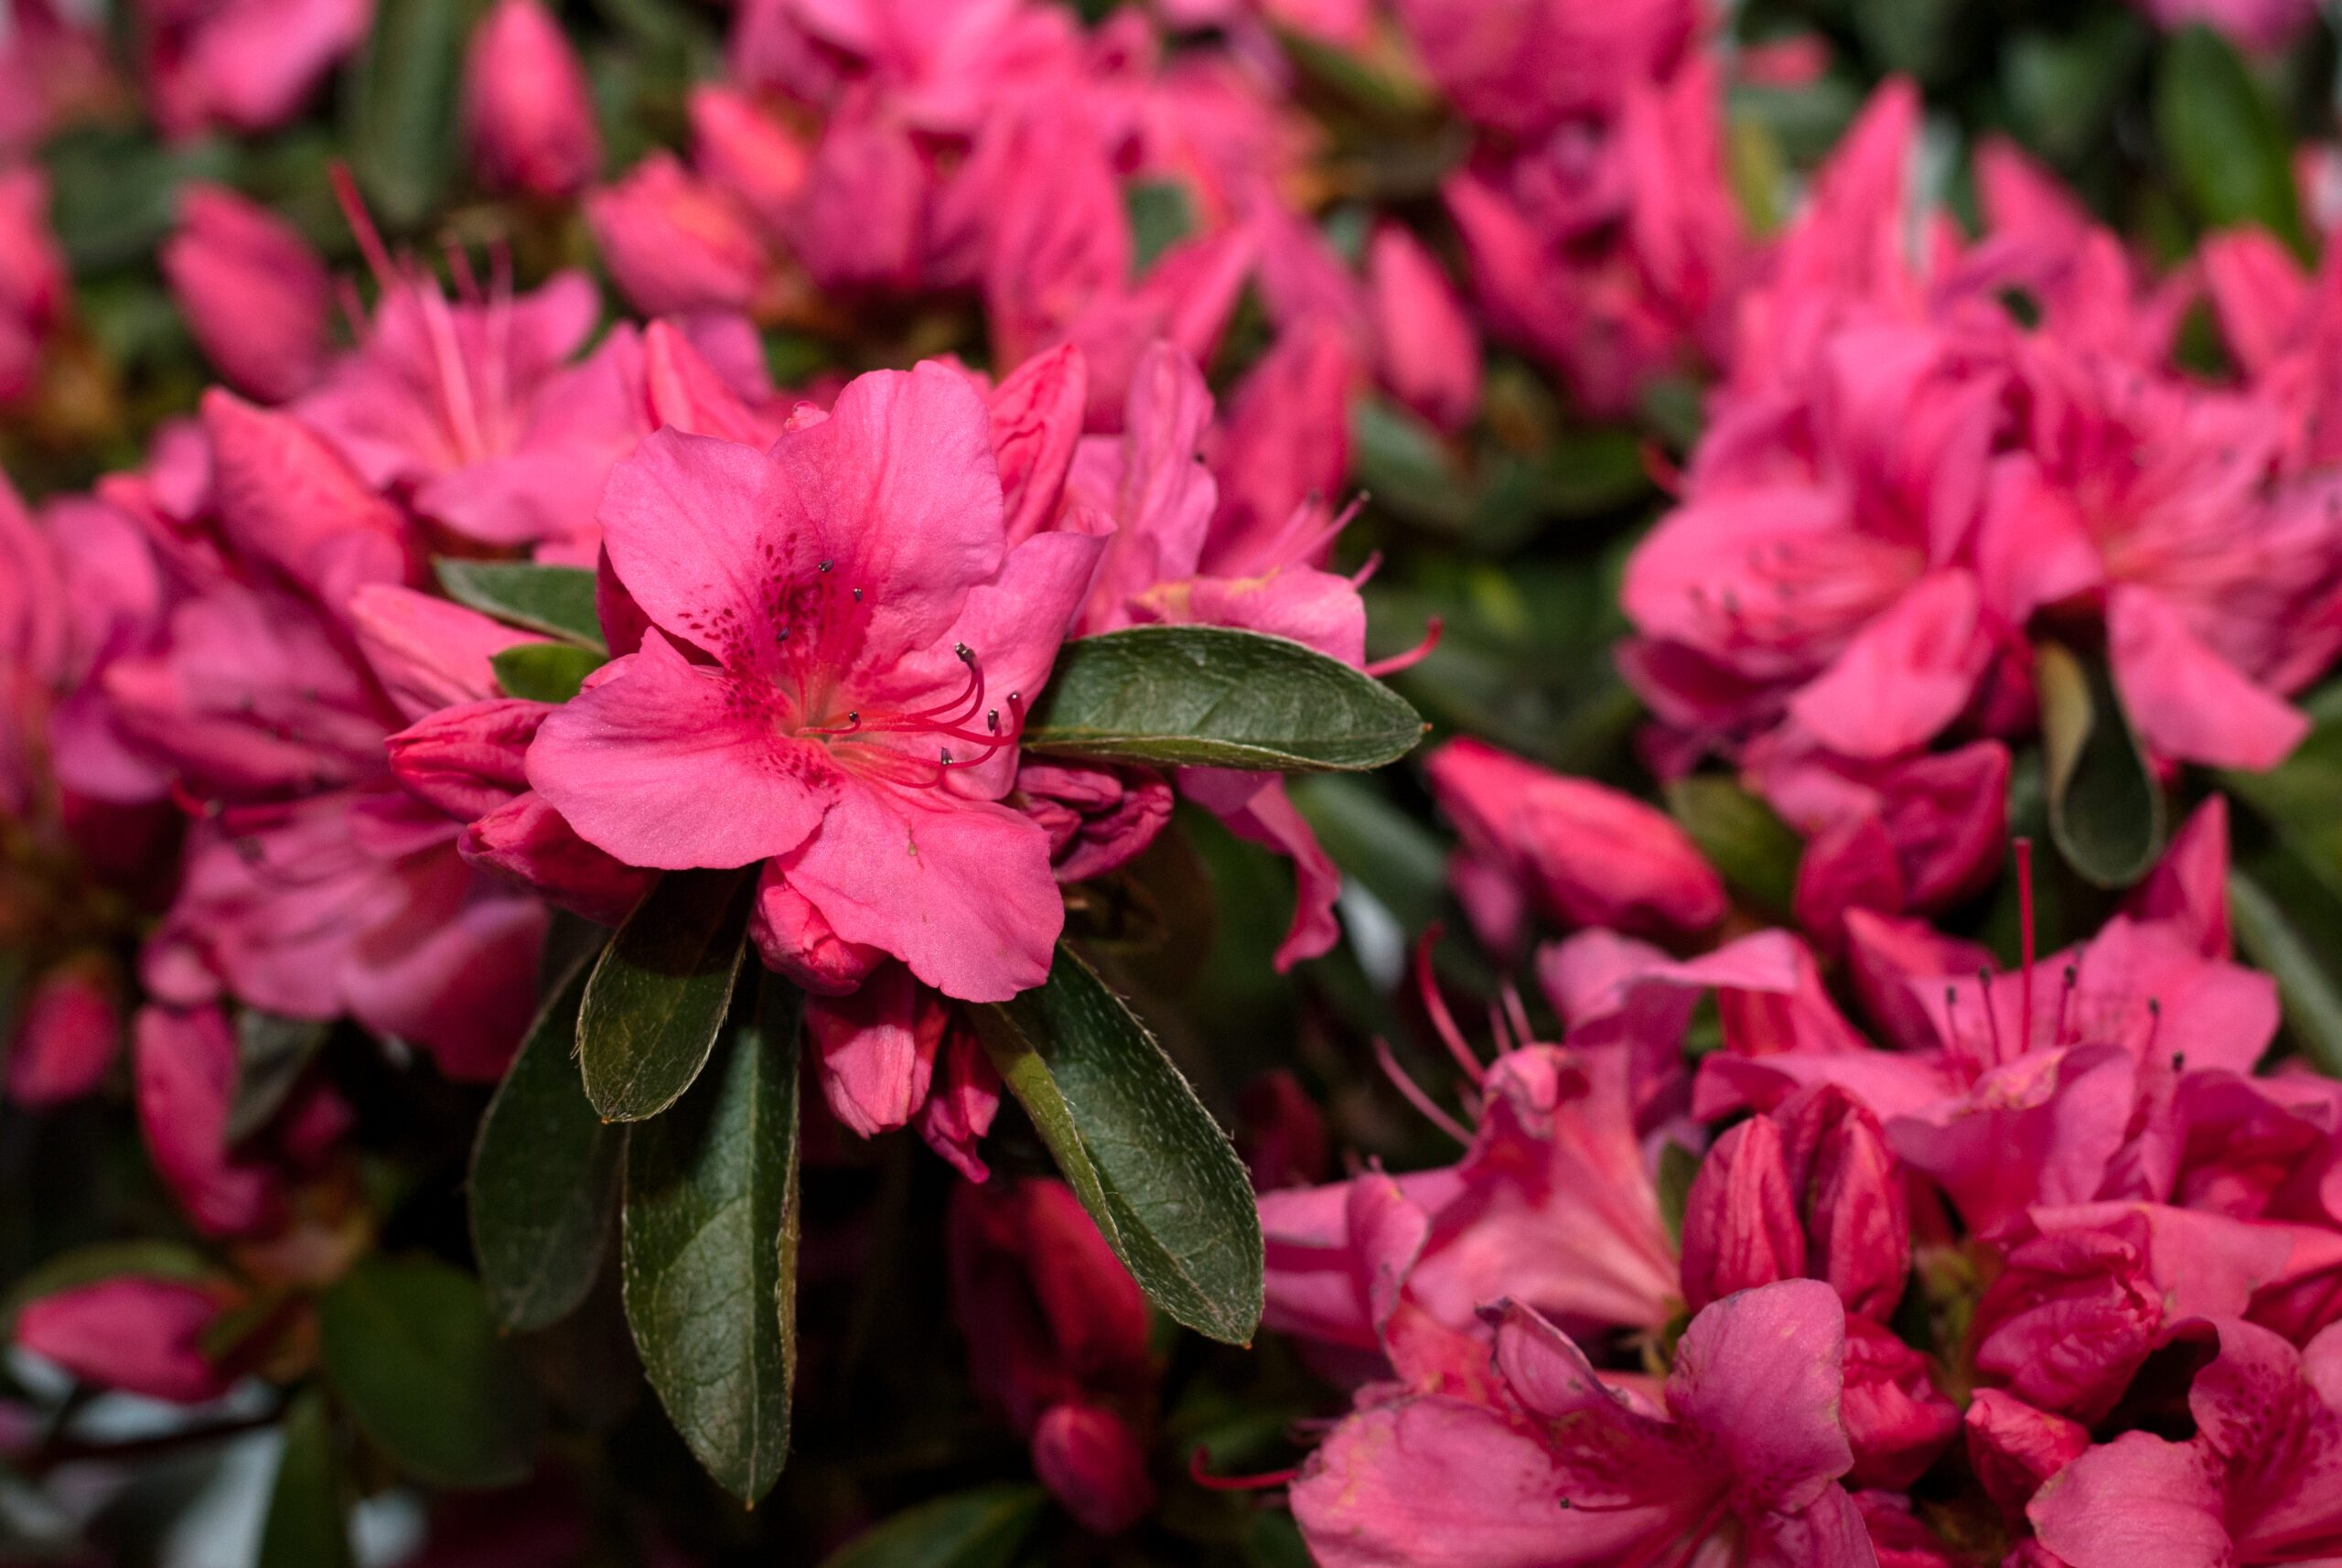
x: 736, y: 718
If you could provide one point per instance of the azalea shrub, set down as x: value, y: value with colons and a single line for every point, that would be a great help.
x: 1190, y: 784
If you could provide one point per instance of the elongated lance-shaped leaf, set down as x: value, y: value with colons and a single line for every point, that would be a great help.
x: 659, y: 994
x: 544, y: 1175
x: 410, y: 1347
x: 1147, y: 1160
x: 710, y: 1247
x: 555, y: 600
x: 1210, y: 696
x: 305, y: 1526
x: 2106, y: 811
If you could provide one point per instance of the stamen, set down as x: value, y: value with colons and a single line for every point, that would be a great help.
x: 1443, y: 1021
x: 1260, y: 1483
x: 1413, y: 656
x: 1414, y: 1095
x: 361, y: 227
x: 2025, y: 925
x: 2064, y: 1001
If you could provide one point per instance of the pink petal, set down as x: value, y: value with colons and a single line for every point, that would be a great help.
x: 875, y: 1050
x: 2136, y: 1502
x: 1757, y: 1375
x: 139, y: 1335
x: 2186, y: 702
x: 1905, y: 676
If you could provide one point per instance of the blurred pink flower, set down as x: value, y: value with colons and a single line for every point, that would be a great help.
x: 526, y: 105
x: 139, y: 1334
x: 241, y: 64
x: 255, y: 296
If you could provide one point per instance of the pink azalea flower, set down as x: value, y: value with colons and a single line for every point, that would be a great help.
x: 1429, y: 354
x: 475, y: 413
x: 675, y: 242
x: 256, y: 297
x: 1575, y: 851
x: 526, y: 103
x: 1737, y: 1461
x: 1058, y: 1335
x: 2253, y: 1485
x: 68, y: 1033
x: 1097, y: 818
x: 872, y: 646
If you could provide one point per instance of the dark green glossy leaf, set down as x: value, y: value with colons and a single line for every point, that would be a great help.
x: 659, y: 995
x: 2225, y: 140
x: 710, y: 1250
x: 1149, y: 1163
x: 555, y: 600
x: 272, y: 1052
x: 544, y: 671
x: 410, y: 1347
x: 402, y: 106
x: 2106, y: 811
x: 983, y: 1528
x: 304, y: 1526
x: 1213, y: 697
x: 1742, y: 837
x: 544, y: 1177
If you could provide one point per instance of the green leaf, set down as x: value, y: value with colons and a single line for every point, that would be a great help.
x: 305, y: 1527
x: 1212, y: 697
x: 710, y: 1250
x: 985, y: 1527
x: 544, y: 671
x: 1743, y: 837
x: 659, y: 995
x: 1149, y: 1163
x: 402, y: 107
x: 544, y: 1175
x: 1160, y: 217
x: 411, y: 1347
x: 272, y: 1053
x: 2270, y: 920
x: 1390, y: 851
x: 2106, y: 812
x: 2225, y: 140
x: 555, y: 600
x: 2298, y: 795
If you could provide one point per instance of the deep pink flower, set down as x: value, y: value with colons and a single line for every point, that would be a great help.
x: 526, y: 103
x: 2254, y: 1485
x: 1097, y: 818
x: 1575, y: 851
x: 139, y: 1334
x: 1427, y: 351
x: 1740, y: 1465
x: 476, y: 413
x: 1524, y: 66
x: 2013, y: 1448
x: 674, y: 242
x: 873, y: 645
x: 1058, y: 1335
x: 256, y: 297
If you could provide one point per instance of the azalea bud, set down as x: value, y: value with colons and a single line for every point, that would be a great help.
x: 1587, y: 855
x: 470, y: 760
x: 1740, y: 1221
x: 674, y: 242
x: 860, y: 224
x: 256, y: 297
x: 526, y: 840
x: 961, y: 1102
x: 2068, y: 1322
x: 139, y: 1335
x: 876, y: 1048
x: 525, y: 99
x: 66, y: 1036
x: 1894, y: 1417
x: 1092, y: 1464
x: 2013, y: 1448
x: 1097, y: 818
x: 1424, y: 344
x: 1858, y: 1222
x: 1036, y: 416
x: 797, y: 940
x: 756, y: 159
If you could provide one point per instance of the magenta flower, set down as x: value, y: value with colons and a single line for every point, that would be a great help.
x: 32, y: 277
x: 2256, y: 1484
x: 256, y: 297
x: 1737, y: 1464
x: 243, y: 64
x: 870, y: 645
x: 139, y: 1334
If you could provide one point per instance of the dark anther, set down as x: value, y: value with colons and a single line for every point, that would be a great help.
x: 825, y: 565
x: 991, y: 718
x: 967, y: 655
x: 857, y: 596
